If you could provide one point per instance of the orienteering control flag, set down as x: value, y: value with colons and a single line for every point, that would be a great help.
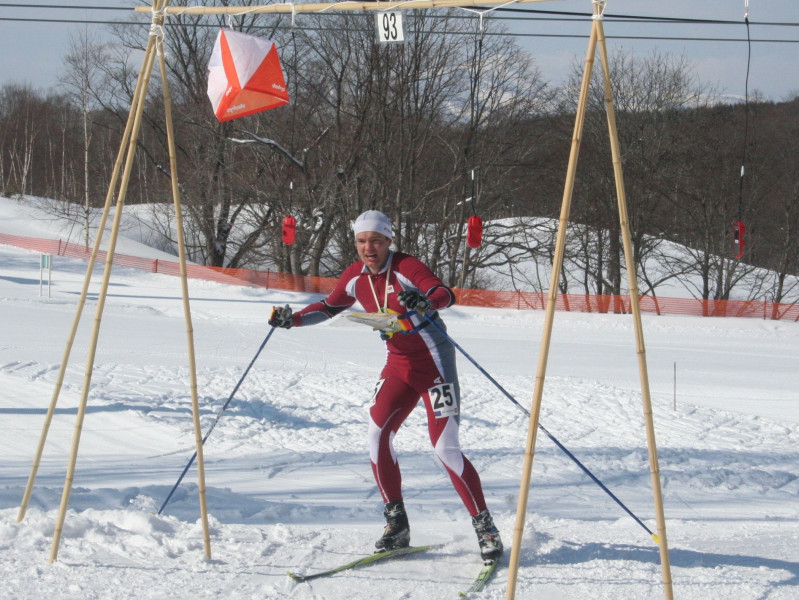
x: 244, y: 76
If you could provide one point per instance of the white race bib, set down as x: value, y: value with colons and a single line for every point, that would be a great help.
x: 442, y: 399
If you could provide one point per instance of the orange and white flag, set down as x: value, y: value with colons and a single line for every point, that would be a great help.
x: 244, y: 76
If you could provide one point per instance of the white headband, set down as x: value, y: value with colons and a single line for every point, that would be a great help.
x: 373, y: 220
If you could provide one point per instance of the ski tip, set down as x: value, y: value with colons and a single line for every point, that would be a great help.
x: 294, y: 576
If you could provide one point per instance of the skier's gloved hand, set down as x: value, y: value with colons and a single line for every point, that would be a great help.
x: 411, y: 299
x: 281, y: 317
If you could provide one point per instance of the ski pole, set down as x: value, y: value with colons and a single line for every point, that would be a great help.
x: 542, y: 428
x: 218, y: 416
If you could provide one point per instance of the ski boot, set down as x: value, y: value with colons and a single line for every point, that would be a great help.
x: 487, y: 536
x: 397, y: 533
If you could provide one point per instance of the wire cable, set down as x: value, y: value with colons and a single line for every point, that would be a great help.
x: 426, y: 32
x: 63, y: 6
x: 570, y: 15
x: 746, y: 112
x: 547, y: 16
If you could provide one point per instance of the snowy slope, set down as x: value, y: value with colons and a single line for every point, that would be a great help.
x: 31, y: 216
x: 289, y: 483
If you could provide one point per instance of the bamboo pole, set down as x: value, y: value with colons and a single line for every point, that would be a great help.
x: 145, y: 73
x: 195, y: 407
x: 81, y: 304
x: 557, y: 265
x: 331, y: 7
x: 632, y: 277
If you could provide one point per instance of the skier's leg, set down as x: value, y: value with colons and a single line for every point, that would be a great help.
x: 444, y: 436
x: 445, y: 440
x: 440, y: 389
x: 392, y: 403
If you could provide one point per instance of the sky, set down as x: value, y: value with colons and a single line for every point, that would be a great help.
x: 30, y: 52
x: 288, y: 479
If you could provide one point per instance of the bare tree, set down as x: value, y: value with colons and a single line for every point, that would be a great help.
x: 650, y: 96
x: 21, y: 126
x: 82, y: 71
x: 446, y: 125
x: 773, y: 188
x: 210, y: 164
x: 410, y: 123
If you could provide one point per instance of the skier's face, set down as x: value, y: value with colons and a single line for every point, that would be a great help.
x: 373, y: 249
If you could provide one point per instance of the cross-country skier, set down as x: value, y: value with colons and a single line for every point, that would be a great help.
x: 419, y: 363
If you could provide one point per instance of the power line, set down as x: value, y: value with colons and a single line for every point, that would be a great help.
x: 582, y: 16
x: 428, y: 32
x: 80, y: 21
x: 567, y: 16
x: 64, y: 7
x: 562, y: 16
x: 503, y: 34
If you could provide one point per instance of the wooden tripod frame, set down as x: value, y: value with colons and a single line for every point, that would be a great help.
x: 597, y: 38
x: 127, y: 152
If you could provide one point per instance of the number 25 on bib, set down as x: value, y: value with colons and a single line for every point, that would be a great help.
x: 443, y: 401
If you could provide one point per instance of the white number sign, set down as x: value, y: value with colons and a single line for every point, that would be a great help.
x: 443, y: 401
x: 389, y: 27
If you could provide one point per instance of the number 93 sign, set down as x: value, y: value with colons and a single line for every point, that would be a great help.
x: 389, y: 26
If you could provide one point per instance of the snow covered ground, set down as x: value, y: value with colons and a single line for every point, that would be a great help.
x: 287, y: 468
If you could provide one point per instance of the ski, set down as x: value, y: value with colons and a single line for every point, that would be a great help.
x: 361, y: 562
x: 482, y: 578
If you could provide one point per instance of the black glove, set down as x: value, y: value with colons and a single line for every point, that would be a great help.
x: 411, y: 299
x: 281, y: 317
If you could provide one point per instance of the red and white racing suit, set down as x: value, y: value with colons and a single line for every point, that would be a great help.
x: 420, y: 364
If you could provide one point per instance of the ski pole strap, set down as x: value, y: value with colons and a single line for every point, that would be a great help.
x: 405, y: 321
x: 428, y: 320
x: 542, y: 428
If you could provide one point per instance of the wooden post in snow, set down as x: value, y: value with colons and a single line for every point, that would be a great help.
x: 597, y: 38
x: 153, y: 50
x: 635, y: 303
x: 81, y: 302
x: 195, y: 407
x: 546, y: 335
x: 145, y: 75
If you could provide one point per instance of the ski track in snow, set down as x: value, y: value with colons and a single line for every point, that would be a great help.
x: 289, y: 482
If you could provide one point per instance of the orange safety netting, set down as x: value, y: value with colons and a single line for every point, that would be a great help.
x: 467, y: 297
